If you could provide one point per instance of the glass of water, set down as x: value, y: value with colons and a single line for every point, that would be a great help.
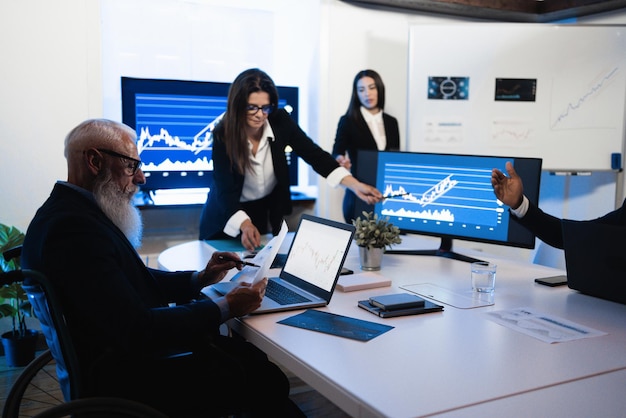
x: 483, y: 276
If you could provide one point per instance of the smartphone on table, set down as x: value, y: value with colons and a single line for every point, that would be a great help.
x: 552, y: 281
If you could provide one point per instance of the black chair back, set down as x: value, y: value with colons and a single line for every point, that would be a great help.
x: 48, y: 310
x: 46, y: 306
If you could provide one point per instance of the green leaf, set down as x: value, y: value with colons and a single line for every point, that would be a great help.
x: 7, y: 310
x: 14, y: 300
x: 9, y: 237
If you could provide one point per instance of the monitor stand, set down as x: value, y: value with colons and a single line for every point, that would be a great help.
x: 445, y: 250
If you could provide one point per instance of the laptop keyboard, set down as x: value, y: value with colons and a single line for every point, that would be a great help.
x: 282, y: 295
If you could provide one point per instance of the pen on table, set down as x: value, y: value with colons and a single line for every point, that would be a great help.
x: 245, y: 263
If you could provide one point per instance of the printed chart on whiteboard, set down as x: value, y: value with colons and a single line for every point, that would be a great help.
x: 529, y: 90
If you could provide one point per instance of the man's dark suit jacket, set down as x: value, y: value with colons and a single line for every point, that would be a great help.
x: 353, y: 136
x: 113, y: 302
x: 548, y: 228
x: 225, y: 192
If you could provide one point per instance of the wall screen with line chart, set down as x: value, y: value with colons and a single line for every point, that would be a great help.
x: 448, y: 196
x: 174, y: 119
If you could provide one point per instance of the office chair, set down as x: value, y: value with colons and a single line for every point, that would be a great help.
x: 47, y: 309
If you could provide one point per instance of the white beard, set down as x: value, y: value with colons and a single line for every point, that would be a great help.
x: 117, y: 206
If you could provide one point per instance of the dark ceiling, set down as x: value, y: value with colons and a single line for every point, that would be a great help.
x: 538, y: 11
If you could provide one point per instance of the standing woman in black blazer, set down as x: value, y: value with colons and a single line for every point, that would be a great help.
x: 365, y: 126
x: 250, y: 191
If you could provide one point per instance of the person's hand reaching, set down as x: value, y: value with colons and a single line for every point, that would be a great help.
x: 250, y: 236
x: 509, y: 189
x: 344, y: 161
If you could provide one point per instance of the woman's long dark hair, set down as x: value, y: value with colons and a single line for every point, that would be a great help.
x: 355, y: 104
x: 232, y: 126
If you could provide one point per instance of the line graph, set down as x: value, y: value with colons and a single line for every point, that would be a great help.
x: 516, y: 89
x: 316, y: 253
x: 319, y: 259
x: 512, y: 132
x: 440, y: 193
x: 429, y: 196
x: 175, y: 131
x: 578, y: 112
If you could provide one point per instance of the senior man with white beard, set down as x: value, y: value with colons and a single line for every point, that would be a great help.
x: 121, y: 314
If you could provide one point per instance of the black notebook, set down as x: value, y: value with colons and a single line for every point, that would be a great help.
x: 426, y: 308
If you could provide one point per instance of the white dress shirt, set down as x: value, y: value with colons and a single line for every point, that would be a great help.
x: 377, y: 127
x: 522, y: 209
x: 260, y: 180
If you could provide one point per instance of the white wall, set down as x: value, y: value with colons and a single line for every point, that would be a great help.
x: 57, y: 71
x: 49, y: 82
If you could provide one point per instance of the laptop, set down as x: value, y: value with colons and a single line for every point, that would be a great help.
x: 595, y: 259
x: 312, y: 267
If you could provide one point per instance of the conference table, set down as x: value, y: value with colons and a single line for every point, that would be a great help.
x: 454, y: 363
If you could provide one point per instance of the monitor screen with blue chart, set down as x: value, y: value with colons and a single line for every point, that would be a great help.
x: 448, y: 196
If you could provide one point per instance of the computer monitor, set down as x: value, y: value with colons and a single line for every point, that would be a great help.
x: 448, y: 196
x: 174, y: 119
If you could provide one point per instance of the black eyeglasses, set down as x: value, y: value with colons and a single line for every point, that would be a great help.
x: 266, y: 109
x: 133, y: 164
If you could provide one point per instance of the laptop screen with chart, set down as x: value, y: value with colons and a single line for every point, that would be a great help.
x: 314, y: 261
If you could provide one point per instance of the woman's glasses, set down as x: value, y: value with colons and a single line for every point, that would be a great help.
x: 253, y: 109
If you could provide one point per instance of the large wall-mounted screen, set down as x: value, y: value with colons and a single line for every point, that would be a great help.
x: 174, y: 119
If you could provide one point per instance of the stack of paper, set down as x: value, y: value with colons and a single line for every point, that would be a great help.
x: 352, y: 282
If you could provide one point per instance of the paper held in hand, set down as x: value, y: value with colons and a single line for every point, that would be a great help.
x: 263, y: 258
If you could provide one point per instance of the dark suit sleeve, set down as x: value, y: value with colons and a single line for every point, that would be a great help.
x: 178, y: 286
x: 342, y: 137
x: 548, y: 228
x: 224, y: 196
x: 545, y: 226
x: 287, y: 132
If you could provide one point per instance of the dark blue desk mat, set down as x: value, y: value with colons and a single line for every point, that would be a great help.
x: 333, y: 324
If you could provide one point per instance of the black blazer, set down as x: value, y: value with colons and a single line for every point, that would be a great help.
x: 225, y: 191
x: 113, y: 302
x: 548, y: 228
x: 355, y: 135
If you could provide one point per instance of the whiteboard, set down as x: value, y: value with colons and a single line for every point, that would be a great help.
x: 556, y: 92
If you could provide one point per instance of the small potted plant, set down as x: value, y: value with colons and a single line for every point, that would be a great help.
x: 373, y: 235
x: 19, y: 343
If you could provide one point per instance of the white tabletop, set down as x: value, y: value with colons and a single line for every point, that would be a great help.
x: 441, y: 362
x: 596, y: 396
